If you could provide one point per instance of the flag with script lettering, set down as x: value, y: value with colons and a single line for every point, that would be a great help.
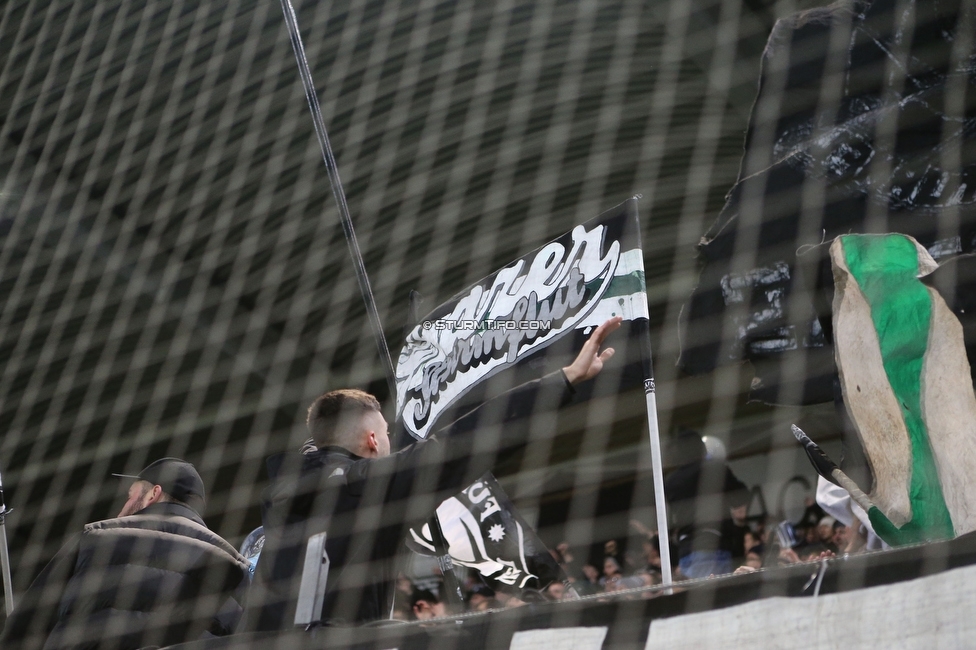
x: 567, y: 287
x: 528, y: 318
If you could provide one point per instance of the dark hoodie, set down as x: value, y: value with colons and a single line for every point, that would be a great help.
x: 365, y: 506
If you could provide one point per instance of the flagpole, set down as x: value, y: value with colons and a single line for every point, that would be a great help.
x: 8, y: 585
x: 657, y: 462
x: 330, y: 164
x: 653, y: 429
x: 452, y: 594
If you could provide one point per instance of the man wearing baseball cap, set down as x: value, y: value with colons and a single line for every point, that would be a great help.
x: 168, y: 480
x: 153, y: 576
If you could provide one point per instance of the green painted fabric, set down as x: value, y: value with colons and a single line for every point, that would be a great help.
x: 625, y: 285
x: 885, y: 268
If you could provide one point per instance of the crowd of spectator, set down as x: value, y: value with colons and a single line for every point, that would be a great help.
x: 758, y: 542
x: 156, y: 572
x: 712, y: 534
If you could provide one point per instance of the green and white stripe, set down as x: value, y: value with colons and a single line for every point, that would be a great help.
x: 627, y: 294
x: 907, y: 387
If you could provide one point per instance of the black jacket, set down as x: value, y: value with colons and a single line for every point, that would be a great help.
x: 365, y: 506
x: 155, y: 578
x: 699, y: 496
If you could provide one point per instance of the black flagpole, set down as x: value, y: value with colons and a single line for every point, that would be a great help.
x: 340, y: 197
x: 829, y: 469
x: 452, y: 594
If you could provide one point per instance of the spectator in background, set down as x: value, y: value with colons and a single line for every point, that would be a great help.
x: 556, y: 591
x: 401, y: 599
x: 652, y: 557
x: 807, y: 535
x: 508, y: 601
x: 425, y: 605
x: 825, y: 533
x: 634, y: 558
x: 565, y: 559
x: 153, y: 576
x: 753, y: 562
x: 651, y: 548
x: 611, y: 572
x: 806, y: 531
x: 751, y: 539
x: 814, y: 552
x: 630, y: 582
x: 754, y: 557
x: 734, y: 528
x: 841, y: 537
x: 812, y: 515
x: 590, y: 583
x: 702, y: 494
x: 481, y: 598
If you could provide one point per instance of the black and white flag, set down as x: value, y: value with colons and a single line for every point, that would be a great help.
x: 560, y: 291
x: 571, y: 285
x: 484, y: 532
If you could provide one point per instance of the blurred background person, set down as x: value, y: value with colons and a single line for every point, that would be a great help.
x: 703, y: 495
x: 425, y: 605
x: 153, y: 576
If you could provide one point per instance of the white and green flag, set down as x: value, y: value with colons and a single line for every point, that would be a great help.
x: 575, y: 282
x: 514, y: 316
x: 907, y: 387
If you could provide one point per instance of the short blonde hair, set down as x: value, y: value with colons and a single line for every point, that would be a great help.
x: 326, y: 413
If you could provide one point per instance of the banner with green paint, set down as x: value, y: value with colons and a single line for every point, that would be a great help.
x: 906, y: 384
x: 567, y: 287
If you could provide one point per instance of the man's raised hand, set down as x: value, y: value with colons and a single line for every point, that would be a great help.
x: 589, y: 362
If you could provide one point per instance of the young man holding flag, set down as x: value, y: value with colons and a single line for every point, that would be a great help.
x: 364, y: 497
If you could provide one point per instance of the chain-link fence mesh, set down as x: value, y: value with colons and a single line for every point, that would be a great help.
x: 175, y: 281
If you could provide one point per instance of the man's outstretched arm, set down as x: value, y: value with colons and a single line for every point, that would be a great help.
x: 468, y: 447
x: 522, y: 402
x: 589, y: 362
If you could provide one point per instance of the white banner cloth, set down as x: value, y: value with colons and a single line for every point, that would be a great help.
x: 928, y: 613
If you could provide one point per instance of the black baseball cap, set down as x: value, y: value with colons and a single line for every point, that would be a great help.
x: 178, y: 478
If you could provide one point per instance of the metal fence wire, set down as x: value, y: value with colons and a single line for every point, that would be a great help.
x: 175, y: 282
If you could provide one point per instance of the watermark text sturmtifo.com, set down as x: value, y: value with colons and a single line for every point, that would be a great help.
x: 454, y: 325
